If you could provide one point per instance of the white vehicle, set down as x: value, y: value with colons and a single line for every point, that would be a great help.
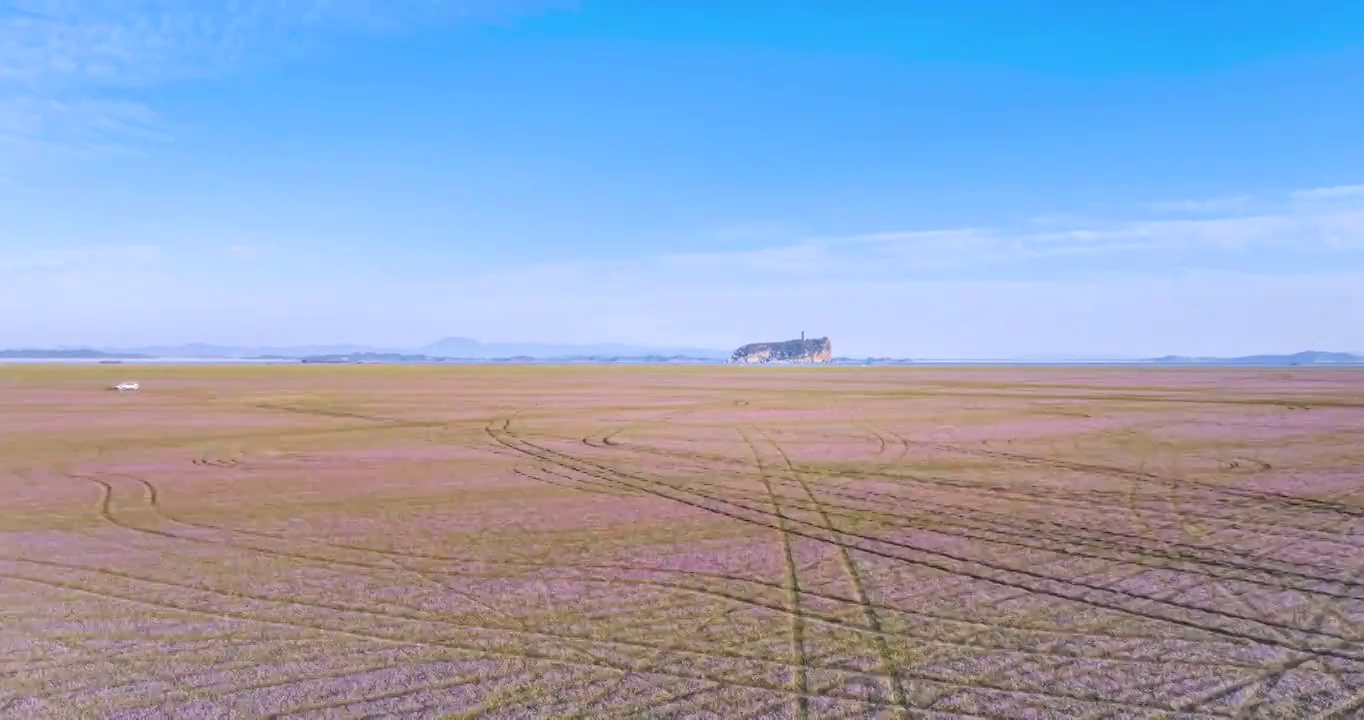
x: 129, y: 385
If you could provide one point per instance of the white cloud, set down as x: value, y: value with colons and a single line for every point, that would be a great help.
x: 968, y: 292
x: 983, y: 292
x: 34, y: 130
x: 1339, y: 192
x: 1298, y: 228
x: 137, y: 42
x: 68, y: 68
x: 1194, y: 313
x: 79, y: 259
x: 1205, y: 207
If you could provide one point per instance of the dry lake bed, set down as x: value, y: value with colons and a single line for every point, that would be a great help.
x: 705, y: 542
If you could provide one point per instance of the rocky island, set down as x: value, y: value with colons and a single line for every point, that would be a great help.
x: 802, y: 351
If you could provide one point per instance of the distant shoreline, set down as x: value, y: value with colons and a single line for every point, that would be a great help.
x: 849, y: 362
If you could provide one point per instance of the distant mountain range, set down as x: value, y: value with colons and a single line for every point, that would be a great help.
x: 65, y: 354
x: 457, y: 348
x: 449, y: 348
x: 1307, y: 357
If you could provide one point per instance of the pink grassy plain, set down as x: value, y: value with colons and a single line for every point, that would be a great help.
x: 681, y: 542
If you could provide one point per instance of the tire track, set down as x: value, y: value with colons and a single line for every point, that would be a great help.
x: 1026, y: 534
x: 1122, y: 542
x: 792, y: 527
x: 1087, y: 698
x: 1267, y: 682
x: 706, y: 591
x: 652, y: 486
x: 390, y: 695
x: 610, y: 581
x: 483, y: 650
x: 1192, y: 706
x: 152, y: 490
x: 570, y: 484
x: 799, y: 680
x: 1217, y: 585
x: 222, y: 690
x: 888, y: 542
x: 478, y: 650
x: 409, y: 613
x: 971, y: 527
x: 1196, y: 548
x: 605, y: 693
x: 1265, y: 496
x: 869, y: 616
x: 492, y: 628
x: 1118, y: 501
x: 1083, y: 468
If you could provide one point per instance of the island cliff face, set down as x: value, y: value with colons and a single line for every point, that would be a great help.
x: 814, y: 350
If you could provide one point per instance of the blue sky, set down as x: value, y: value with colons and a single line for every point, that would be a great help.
x: 935, y: 179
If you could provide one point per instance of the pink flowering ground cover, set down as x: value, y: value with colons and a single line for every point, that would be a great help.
x: 535, y: 542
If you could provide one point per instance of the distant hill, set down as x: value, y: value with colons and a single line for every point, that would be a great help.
x: 1307, y: 357
x: 464, y: 348
x: 363, y: 357
x: 65, y: 354
x: 204, y: 351
x: 451, y: 348
x: 458, y: 348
